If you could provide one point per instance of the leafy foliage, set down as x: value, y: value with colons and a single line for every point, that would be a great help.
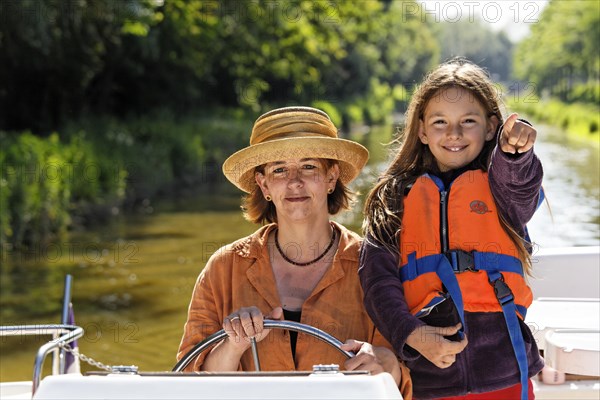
x: 473, y: 40
x: 102, y: 165
x: 137, y: 97
x: 561, y: 55
x: 131, y: 57
x: 57, y: 58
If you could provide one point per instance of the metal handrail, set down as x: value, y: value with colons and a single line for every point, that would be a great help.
x: 31, y: 330
x: 267, y: 324
x: 69, y: 333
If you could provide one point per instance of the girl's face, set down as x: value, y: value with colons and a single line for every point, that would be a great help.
x: 298, y: 187
x: 455, y: 127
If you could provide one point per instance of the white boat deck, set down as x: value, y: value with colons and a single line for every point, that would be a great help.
x: 566, y: 272
x: 565, y: 320
x: 547, y: 314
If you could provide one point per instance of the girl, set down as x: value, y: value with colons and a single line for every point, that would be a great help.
x: 445, y: 254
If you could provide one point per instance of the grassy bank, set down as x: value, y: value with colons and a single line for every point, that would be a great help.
x: 93, y: 169
x: 580, y: 120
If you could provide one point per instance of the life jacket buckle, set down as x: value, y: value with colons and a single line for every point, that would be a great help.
x: 461, y: 261
x: 503, y: 292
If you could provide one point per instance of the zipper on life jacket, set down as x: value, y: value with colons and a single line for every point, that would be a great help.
x: 445, y: 245
x: 444, y: 220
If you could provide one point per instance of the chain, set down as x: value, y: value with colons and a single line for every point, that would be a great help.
x: 84, y: 358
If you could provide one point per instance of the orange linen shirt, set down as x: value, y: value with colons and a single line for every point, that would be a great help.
x: 240, y: 275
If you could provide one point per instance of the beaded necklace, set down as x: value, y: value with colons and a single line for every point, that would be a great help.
x: 304, y: 264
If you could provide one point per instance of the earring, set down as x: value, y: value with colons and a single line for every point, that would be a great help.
x: 329, y: 191
x: 268, y: 198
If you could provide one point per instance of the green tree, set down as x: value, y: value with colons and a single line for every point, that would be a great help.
x: 63, y: 60
x: 262, y: 54
x: 477, y: 42
x: 57, y: 58
x: 562, y: 51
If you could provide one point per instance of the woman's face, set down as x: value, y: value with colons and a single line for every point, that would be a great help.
x: 455, y: 127
x: 298, y: 187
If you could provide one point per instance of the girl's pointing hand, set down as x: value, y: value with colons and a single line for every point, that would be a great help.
x: 516, y: 136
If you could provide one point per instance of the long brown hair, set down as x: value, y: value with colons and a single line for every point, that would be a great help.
x: 384, y: 205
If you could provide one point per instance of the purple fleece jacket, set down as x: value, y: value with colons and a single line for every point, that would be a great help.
x: 488, y: 362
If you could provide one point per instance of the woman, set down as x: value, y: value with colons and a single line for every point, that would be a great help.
x: 301, y: 266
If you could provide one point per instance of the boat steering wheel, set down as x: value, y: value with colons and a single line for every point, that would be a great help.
x: 267, y: 324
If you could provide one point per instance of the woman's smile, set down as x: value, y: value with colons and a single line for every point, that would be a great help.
x: 297, y: 199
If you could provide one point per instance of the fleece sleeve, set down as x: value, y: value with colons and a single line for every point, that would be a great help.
x: 384, y: 298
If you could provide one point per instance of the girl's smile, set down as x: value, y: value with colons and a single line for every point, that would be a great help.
x: 455, y: 149
x: 455, y: 127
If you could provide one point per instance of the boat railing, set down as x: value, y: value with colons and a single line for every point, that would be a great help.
x: 62, y: 334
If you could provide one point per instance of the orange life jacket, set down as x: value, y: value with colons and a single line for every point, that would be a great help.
x: 449, y: 227
x: 452, y: 243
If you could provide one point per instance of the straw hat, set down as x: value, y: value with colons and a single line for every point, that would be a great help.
x: 293, y: 132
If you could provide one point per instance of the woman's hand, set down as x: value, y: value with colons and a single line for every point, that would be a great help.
x: 372, y: 359
x: 431, y: 343
x: 516, y: 136
x: 240, y: 326
x: 246, y: 323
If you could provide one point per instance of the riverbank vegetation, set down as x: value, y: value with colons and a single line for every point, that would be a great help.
x: 560, y: 64
x: 98, y: 167
x: 581, y: 120
x: 111, y: 103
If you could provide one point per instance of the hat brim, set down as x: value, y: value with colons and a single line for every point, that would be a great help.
x: 239, y: 167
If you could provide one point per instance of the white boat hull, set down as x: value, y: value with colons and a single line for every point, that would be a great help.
x: 205, y: 386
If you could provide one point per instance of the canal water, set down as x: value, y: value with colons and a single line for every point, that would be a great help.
x: 133, y: 278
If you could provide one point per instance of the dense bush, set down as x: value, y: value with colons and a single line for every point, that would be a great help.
x: 95, y: 167
x: 36, y: 188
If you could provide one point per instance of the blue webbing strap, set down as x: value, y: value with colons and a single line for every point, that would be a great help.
x: 439, y: 264
x: 506, y: 300
x: 449, y: 280
x: 492, y: 263
x: 541, y: 198
x: 485, y: 261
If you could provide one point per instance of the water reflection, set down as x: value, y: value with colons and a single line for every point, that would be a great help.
x: 572, y: 186
x: 133, y: 279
